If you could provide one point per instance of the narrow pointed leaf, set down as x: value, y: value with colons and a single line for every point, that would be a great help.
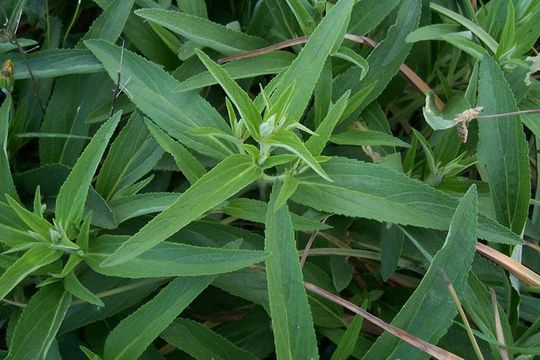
x: 289, y: 141
x: 502, y: 148
x: 202, y: 31
x: 216, y: 186
x: 74, y: 286
x: 152, y: 90
x: 429, y: 311
x: 6, y: 181
x: 202, y: 343
x: 375, y: 192
x: 135, y: 333
x: 73, y: 193
x: 170, y: 259
x: 186, y: 162
x: 292, y: 323
x: 31, y: 261
x: 39, y: 323
x: 238, y: 96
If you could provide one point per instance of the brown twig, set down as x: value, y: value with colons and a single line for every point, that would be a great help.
x: 498, y: 326
x: 405, y: 70
x: 517, y: 269
x: 428, y: 348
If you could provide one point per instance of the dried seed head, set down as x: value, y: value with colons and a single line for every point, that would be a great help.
x: 463, y: 119
x: 469, y: 114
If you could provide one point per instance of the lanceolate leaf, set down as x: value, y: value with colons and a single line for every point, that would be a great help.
x: 39, y: 323
x: 32, y: 260
x: 202, y: 31
x: 6, y: 181
x: 202, y: 343
x: 216, y: 186
x: 170, y: 259
x: 131, y: 156
x: 73, y: 193
x: 135, y: 333
x: 153, y: 91
x: 375, y: 192
x: 366, y: 137
x: 186, y: 162
x: 292, y: 323
x: 238, y: 96
x: 306, y: 68
x: 502, y: 148
x: 385, y: 60
x: 429, y: 311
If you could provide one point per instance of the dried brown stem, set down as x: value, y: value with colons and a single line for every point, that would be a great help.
x: 498, y: 326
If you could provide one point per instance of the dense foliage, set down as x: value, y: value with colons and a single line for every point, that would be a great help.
x: 259, y: 179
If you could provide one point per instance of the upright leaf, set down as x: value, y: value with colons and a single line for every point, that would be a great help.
x: 135, y: 333
x: 307, y: 67
x: 238, y: 96
x: 502, y: 148
x: 111, y: 22
x: 6, y: 181
x: 292, y: 323
x: 39, y: 323
x: 132, y: 155
x: 216, y: 186
x: 152, y: 90
x: 72, y: 196
x: 384, y: 61
x: 429, y: 311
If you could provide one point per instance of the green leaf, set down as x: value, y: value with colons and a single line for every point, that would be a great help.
x: 194, y: 7
x: 292, y: 323
x: 354, y: 58
x: 68, y: 110
x: 6, y: 181
x: 32, y: 260
x: 367, y: 14
x: 375, y: 192
x: 474, y: 28
x: 135, y: 333
x: 53, y: 63
x: 502, y: 148
x: 366, y: 137
x: 238, y: 96
x: 202, y: 343
x: 186, y: 162
x: 316, y: 144
x: 384, y: 61
x: 391, y: 247
x: 111, y: 22
x: 348, y: 340
x: 289, y: 141
x: 304, y: 18
x: 153, y: 91
x: 73, y: 193
x: 128, y: 207
x: 307, y: 67
x: 429, y: 312
x: 433, y: 117
x: 39, y: 323
x: 132, y: 155
x: 255, y: 210
x: 202, y: 31
x: 36, y: 223
x: 74, y: 286
x: 290, y: 183
x: 216, y: 186
x: 265, y: 64
x: 13, y: 237
x: 170, y: 259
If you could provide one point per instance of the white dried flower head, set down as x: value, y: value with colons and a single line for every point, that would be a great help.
x: 535, y: 67
x: 463, y: 120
